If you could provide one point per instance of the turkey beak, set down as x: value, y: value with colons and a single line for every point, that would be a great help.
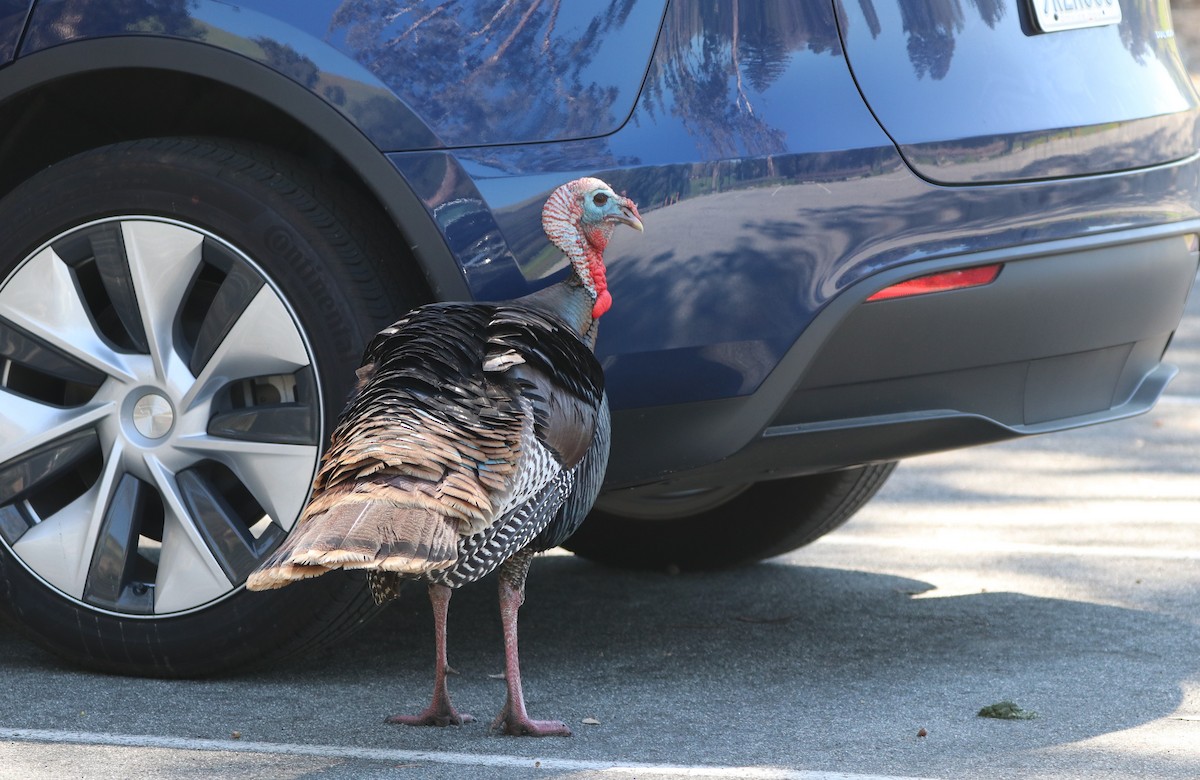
x: 629, y: 214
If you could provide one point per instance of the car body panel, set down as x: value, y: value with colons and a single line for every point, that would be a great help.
x: 299, y: 54
x: 752, y: 246
x: 491, y: 73
x: 824, y: 405
x: 414, y: 80
x: 752, y: 287
x: 13, y: 14
x: 971, y: 93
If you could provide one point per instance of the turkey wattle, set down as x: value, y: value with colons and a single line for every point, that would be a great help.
x: 477, y: 435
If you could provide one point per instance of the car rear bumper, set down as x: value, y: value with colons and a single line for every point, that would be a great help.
x: 1071, y: 333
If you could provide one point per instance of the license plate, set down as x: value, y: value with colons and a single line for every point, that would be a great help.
x: 1054, y: 15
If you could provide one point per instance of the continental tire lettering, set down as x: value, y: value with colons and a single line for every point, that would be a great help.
x: 279, y: 243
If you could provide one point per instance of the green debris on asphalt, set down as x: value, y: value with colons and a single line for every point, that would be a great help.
x: 1006, y: 710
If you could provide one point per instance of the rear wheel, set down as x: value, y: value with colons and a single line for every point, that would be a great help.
x: 179, y: 320
x: 717, y: 528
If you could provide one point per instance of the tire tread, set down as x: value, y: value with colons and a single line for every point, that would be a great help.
x: 371, y: 285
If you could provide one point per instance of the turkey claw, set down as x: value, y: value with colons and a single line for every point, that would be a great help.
x: 432, y: 717
x: 524, y: 727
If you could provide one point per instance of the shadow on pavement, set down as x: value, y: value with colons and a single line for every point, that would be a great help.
x: 777, y: 665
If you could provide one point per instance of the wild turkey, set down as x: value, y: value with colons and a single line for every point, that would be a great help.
x: 477, y: 435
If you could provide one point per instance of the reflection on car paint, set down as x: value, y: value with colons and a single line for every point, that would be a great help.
x: 769, y: 184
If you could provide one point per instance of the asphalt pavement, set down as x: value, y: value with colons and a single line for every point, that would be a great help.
x: 1061, y: 573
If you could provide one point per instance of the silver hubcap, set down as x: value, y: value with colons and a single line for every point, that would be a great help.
x: 153, y: 416
x: 159, y: 419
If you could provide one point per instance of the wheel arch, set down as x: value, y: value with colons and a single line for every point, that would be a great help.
x: 73, y: 97
x: 325, y: 295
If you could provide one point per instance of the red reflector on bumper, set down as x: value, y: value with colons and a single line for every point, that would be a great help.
x: 941, y: 282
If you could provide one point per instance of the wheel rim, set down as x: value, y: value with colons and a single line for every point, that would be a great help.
x: 159, y: 416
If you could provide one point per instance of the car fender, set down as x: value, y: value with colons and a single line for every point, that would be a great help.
x: 337, y: 130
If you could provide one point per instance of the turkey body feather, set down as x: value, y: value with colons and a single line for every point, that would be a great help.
x: 474, y: 430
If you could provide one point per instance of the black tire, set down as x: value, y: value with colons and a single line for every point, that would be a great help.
x: 285, y: 290
x: 719, y: 529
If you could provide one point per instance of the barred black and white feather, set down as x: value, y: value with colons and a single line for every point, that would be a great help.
x: 474, y: 431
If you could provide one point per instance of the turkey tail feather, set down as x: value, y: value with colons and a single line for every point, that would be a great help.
x: 374, y: 534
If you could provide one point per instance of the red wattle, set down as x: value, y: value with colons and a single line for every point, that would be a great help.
x: 602, y: 304
x: 599, y: 284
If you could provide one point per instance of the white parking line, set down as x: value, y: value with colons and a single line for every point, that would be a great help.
x: 489, y: 760
x: 1012, y: 548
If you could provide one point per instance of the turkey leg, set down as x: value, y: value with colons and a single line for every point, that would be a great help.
x: 440, y: 711
x: 513, y: 719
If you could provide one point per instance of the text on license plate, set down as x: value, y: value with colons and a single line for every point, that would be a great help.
x: 1054, y: 15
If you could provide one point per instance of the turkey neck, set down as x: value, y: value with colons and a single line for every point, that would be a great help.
x: 570, y: 302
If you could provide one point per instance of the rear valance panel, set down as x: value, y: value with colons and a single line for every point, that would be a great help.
x: 972, y: 92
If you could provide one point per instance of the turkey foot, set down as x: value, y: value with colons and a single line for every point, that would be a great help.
x: 440, y: 711
x: 436, y: 714
x: 513, y: 719
x: 508, y: 722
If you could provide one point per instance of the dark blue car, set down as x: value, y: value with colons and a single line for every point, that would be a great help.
x: 874, y: 228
